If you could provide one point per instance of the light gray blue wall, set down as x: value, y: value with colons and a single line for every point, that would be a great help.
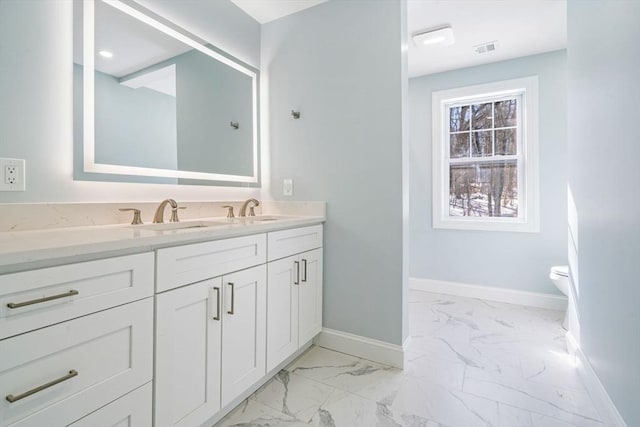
x: 36, y: 99
x: 604, y: 95
x: 339, y: 64
x: 504, y: 259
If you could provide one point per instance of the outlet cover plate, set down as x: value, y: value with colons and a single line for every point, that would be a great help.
x: 287, y: 187
x: 12, y: 174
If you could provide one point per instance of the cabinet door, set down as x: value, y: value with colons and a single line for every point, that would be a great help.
x: 131, y: 410
x: 283, y: 279
x: 244, y: 331
x: 310, y: 291
x: 187, y: 380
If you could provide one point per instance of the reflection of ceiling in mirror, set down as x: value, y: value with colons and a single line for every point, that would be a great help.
x: 161, y: 80
x: 134, y: 45
x: 265, y: 11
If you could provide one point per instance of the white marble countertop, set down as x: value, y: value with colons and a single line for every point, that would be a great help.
x: 22, y: 250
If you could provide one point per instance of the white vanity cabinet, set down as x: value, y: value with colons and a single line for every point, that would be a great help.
x: 210, y: 335
x: 76, y: 338
x: 294, y: 291
x: 173, y: 337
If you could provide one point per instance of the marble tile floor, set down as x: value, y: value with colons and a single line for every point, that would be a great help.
x: 470, y: 363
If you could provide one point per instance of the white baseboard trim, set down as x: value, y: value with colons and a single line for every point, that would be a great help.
x: 405, y: 354
x: 607, y: 410
x: 511, y: 296
x: 366, y: 348
x: 572, y: 344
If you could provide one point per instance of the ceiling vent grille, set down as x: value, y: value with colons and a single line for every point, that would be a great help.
x: 486, y: 47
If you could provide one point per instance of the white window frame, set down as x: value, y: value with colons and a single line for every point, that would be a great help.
x: 528, y: 219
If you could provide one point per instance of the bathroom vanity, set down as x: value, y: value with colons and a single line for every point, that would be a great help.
x: 165, y: 324
x: 175, y: 331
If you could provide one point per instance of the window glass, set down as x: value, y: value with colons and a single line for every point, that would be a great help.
x: 484, y: 189
x: 481, y: 117
x: 485, y: 157
x: 506, y: 113
x: 459, y: 145
x: 482, y: 144
x: 459, y: 118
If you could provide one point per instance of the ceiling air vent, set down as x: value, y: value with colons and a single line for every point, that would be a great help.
x: 486, y: 47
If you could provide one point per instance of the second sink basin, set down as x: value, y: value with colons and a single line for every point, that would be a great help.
x: 166, y: 226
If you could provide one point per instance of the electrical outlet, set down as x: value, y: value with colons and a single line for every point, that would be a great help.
x: 12, y: 171
x: 10, y: 174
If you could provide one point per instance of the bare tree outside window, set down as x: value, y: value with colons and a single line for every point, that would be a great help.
x: 483, y: 173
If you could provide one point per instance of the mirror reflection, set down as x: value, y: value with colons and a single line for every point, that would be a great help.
x: 165, y: 105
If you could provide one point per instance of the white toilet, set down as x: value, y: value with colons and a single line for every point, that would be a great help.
x: 559, y: 275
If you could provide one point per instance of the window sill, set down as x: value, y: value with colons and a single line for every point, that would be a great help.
x: 487, y: 225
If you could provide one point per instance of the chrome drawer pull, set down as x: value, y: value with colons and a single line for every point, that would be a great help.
x: 232, y: 299
x: 70, y: 293
x: 217, y: 316
x: 304, y: 264
x: 11, y: 398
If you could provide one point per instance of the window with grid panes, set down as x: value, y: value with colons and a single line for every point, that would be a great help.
x: 485, y: 157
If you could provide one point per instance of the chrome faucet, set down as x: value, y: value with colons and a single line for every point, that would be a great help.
x: 243, y: 208
x: 159, y: 216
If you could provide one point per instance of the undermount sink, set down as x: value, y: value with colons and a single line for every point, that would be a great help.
x: 166, y: 226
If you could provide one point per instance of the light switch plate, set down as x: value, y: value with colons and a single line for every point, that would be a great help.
x: 287, y: 187
x: 12, y: 175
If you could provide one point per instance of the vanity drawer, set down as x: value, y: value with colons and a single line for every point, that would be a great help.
x: 33, y: 299
x: 97, y: 359
x: 288, y: 242
x: 187, y: 264
x: 131, y: 410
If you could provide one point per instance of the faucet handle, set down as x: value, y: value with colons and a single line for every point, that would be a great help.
x: 230, y: 211
x: 174, y: 213
x: 136, y: 215
x: 251, y: 212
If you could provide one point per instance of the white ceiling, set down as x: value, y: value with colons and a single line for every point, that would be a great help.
x: 267, y: 10
x: 521, y: 28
